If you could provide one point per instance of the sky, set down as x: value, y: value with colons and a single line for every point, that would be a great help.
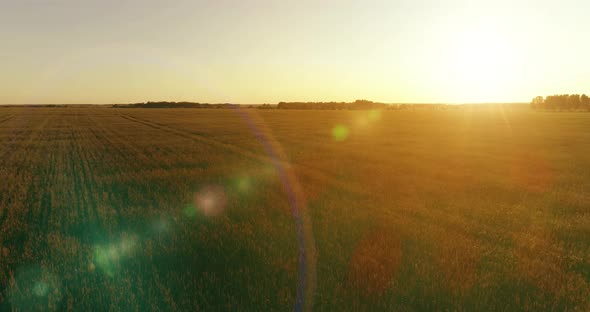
x: 263, y: 51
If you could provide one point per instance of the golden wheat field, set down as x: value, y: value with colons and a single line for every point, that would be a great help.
x: 245, y: 209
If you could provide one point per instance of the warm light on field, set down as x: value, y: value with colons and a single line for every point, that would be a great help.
x: 144, y: 208
x: 397, y: 155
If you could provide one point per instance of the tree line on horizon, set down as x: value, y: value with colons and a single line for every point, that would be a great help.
x: 356, y: 105
x: 562, y: 102
x: 175, y: 105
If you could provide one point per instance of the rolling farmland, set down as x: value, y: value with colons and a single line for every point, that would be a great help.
x: 201, y: 209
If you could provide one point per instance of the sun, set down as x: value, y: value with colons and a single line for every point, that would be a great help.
x: 482, y: 63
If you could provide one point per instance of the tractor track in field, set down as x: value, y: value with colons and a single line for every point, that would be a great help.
x: 45, y: 204
x: 89, y: 187
x: 88, y: 190
x: 13, y: 139
x: 107, y: 141
x: 6, y: 118
x: 313, y: 173
x: 417, y: 214
x: 124, y: 152
x: 76, y: 181
x: 83, y: 173
x: 44, y: 201
x: 196, y: 137
x: 21, y: 238
x: 36, y: 136
x: 115, y: 141
x: 3, y: 215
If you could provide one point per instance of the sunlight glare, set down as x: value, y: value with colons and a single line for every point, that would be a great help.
x: 482, y: 63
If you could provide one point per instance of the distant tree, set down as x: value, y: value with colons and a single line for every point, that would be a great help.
x: 573, y: 102
x: 562, y: 102
x: 585, y: 102
x: 538, y: 103
x: 553, y: 102
x: 358, y: 105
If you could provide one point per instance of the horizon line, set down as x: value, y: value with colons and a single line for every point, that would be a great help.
x: 245, y: 104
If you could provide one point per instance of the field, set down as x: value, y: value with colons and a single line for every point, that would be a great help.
x: 222, y: 209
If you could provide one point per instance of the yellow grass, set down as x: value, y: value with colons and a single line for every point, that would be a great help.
x: 184, y: 209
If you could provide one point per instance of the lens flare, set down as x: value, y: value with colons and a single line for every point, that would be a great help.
x: 340, y: 133
x: 103, y: 260
x: 307, y: 258
x: 211, y: 200
x: 244, y: 184
x: 35, y: 289
x: 269, y: 170
x: 362, y: 121
x: 41, y: 289
x: 161, y: 225
x: 374, y: 115
x: 108, y: 257
x: 190, y: 210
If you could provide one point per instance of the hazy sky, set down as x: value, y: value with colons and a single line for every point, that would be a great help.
x: 119, y: 51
